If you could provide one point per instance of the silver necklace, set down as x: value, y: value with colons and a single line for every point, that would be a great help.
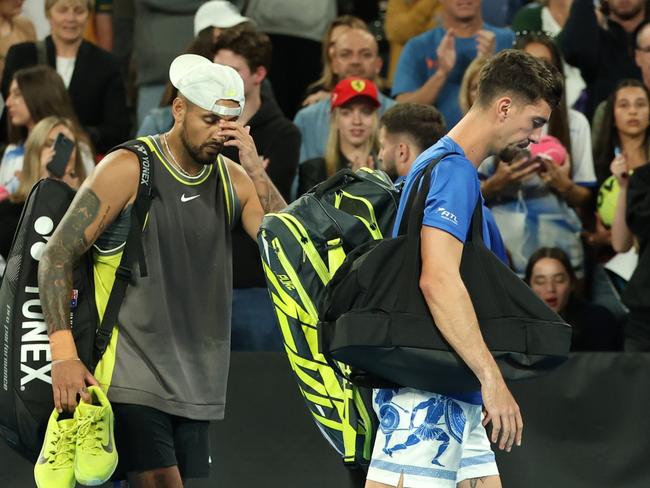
x: 173, y: 159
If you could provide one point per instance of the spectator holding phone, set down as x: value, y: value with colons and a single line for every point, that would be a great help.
x: 40, y: 153
x: 576, y: 183
x: 534, y: 194
x: 35, y: 93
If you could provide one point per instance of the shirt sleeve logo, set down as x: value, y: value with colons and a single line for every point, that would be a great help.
x: 447, y: 215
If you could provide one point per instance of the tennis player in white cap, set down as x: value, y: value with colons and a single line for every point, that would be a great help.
x: 166, y: 366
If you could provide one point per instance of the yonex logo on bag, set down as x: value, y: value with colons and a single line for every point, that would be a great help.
x: 447, y: 215
x: 144, y: 174
x: 34, y: 342
x: 43, y: 227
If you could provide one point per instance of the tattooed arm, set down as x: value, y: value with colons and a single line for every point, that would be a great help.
x: 269, y: 197
x: 255, y: 190
x: 252, y: 207
x: 103, y: 195
x: 66, y: 245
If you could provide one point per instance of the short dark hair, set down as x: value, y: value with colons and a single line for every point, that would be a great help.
x: 521, y: 75
x: 423, y: 123
x: 558, y: 123
x: 252, y: 45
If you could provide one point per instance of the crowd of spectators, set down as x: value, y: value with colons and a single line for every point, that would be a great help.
x: 573, y: 210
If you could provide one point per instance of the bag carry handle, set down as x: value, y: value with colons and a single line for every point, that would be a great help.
x: 413, y: 211
x: 410, y: 285
x: 415, y: 206
x: 338, y: 180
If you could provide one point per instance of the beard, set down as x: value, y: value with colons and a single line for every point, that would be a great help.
x: 628, y: 14
x: 390, y: 169
x: 204, y: 154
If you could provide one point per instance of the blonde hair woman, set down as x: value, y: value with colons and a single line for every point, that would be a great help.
x: 39, y: 151
x: 352, y: 141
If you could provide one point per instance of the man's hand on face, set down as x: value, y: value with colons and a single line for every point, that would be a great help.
x: 239, y: 136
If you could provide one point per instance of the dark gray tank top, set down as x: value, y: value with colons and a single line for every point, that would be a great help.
x: 173, y: 343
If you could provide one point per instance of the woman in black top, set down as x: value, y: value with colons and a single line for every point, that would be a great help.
x: 90, y: 74
x: 352, y: 141
x: 550, y: 275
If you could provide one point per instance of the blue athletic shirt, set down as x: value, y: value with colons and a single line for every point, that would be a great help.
x: 450, y: 204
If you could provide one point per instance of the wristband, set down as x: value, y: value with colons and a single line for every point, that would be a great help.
x: 57, y: 361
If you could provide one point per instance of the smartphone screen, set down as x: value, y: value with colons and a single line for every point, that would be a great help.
x: 62, y: 150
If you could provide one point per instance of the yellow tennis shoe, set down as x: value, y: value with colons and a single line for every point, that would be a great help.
x: 95, y: 457
x: 54, y: 467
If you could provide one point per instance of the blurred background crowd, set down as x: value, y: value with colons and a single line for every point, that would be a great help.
x: 324, y: 81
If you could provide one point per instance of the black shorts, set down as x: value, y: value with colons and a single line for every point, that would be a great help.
x: 148, y: 439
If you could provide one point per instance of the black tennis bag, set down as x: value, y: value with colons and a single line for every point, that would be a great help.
x: 301, y: 247
x: 26, y: 391
x: 375, y: 318
x: 26, y: 399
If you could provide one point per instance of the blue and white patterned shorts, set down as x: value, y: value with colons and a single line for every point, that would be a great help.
x: 433, y: 440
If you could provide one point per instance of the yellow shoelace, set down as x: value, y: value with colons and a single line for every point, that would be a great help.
x: 62, y: 447
x: 89, y: 433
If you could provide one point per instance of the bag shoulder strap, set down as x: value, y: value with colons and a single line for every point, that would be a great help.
x: 133, y: 248
x: 417, y: 202
x: 411, y: 212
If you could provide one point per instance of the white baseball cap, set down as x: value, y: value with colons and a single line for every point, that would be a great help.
x: 203, y: 83
x: 217, y: 13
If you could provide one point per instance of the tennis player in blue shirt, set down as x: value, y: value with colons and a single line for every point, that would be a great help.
x: 426, y: 439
